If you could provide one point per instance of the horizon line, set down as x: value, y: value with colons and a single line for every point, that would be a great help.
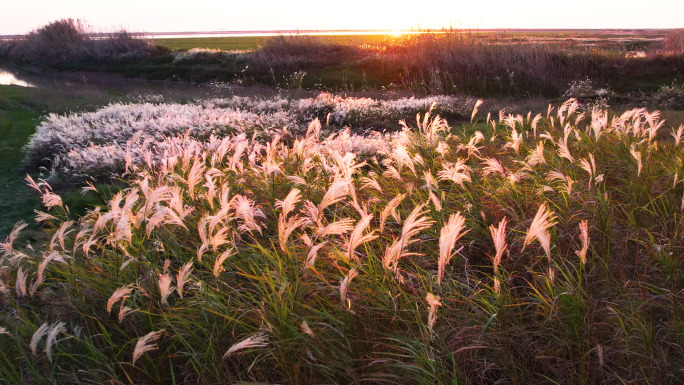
x: 356, y: 30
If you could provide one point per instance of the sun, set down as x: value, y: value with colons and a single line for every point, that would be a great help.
x: 395, y: 33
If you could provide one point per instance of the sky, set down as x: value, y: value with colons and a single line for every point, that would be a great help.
x: 21, y: 16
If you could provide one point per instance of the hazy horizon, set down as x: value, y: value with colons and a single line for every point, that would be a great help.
x: 204, y: 15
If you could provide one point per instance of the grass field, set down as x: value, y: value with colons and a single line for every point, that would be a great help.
x: 250, y: 43
x: 482, y: 63
x: 609, y: 39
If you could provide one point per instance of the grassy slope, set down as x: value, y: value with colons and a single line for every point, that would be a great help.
x: 18, y: 119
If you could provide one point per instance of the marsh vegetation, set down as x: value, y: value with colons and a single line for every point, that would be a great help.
x: 259, y: 235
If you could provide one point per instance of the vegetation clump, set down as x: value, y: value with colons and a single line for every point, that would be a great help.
x: 670, y: 97
x: 96, y: 145
x: 674, y: 41
x: 68, y: 41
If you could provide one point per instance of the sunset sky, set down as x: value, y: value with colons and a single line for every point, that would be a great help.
x: 18, y: 17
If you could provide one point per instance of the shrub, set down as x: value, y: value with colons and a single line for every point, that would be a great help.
x: 59, y: 41
x: 585, y: 89
x: 670, y: 97
x: 674, y: 41
x: 203, y: 56
x: 589, y: 94
x: 68, y: 40
x: 295, y: 53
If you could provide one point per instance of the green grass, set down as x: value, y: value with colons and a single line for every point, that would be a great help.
x: 21, y: 110
x: 250, y: 43
x: 246, y: 43
x: 18, y: 119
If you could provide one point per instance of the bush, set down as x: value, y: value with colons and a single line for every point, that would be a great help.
x: 585, y: 89
x: 670, y: 97
x: 196, y: 56
x: 589, y: 94
x: 301, y: 52
x: 674, y: 41
x: 68, y: 40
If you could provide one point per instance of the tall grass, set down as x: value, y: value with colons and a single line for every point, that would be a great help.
x: 541, y: 249
x: 454, y: 61
x: 294, y: 53
x: 488, y: 65
x: 96, y: 145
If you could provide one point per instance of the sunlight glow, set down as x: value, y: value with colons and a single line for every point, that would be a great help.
x: 18, y: 17
x: 7, y: 78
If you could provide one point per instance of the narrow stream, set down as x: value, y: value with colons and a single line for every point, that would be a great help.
x: 113, y: 85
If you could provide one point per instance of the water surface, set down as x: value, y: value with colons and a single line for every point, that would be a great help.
x: 10, y: 79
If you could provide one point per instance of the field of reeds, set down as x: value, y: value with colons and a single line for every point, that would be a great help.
x: 258, y: 241
x: 96, y: 146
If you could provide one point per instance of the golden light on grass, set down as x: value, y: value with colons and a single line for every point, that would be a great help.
x: 323, y: 230
x: 145, y: 344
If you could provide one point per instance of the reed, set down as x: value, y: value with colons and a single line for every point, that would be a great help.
x: 304, y: 259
